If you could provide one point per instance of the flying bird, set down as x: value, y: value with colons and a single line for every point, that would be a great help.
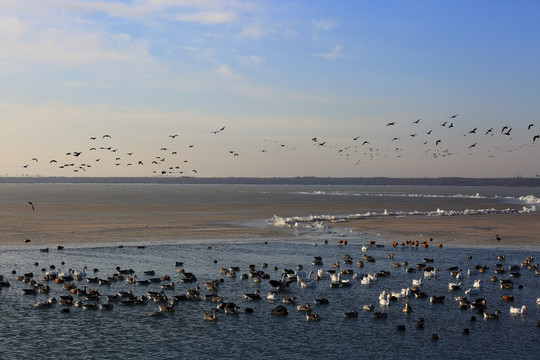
x: 365, y: 142
x: 444, y: 123
x: 473, y: 131
x: 218, y: 131
x: 416, y: 122
x: 437, y: 142
x: 473, y: 145
x: 106, y: 136
x: 32, y: 204
x: 391, y: 123
x: 173, y: 136
x: 490, y: 130
x: 535, y: 137
x: 530, y: 126
x: 454, y: 116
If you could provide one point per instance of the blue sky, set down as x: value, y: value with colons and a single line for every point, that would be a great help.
x: 276, y: 75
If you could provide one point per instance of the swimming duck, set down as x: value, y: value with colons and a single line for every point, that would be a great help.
x: 166, y: 308
x: 290, y: 300
x: 407, y: 309
x: 107, y: 306
x: 169, y: 286
x: 454, y: 286
x: 311, y: 317
x: 90, y: 306
x: 280, y: 310
x: 379, y: 315
x: 351, y: 314
x: 493, y: 315
x: 321, y: 301
x: 253, y: 296
x: 436, y: 299
x: 211, y: 316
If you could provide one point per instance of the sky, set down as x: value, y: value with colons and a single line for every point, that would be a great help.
x: 269, y: 88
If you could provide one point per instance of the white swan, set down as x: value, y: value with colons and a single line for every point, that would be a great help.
x: 471, y: 272
x: 477, y: 283
x: 516, y: 310
x: 81, y: 273
x: 308, y: 284
x: 335, y: 277
x: 417, y: 282
x: 323, y: 274
x: 430, y: 274
x: 384, y: 301
x: 366, y: 280
x: 272, y: 297
x: 472, y: 291
x: 305, y: 278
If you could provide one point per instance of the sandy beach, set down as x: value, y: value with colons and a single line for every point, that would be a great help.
x: 124, y: 224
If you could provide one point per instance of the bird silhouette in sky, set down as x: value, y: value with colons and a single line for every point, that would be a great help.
x: 32, y: 204
x: 218, y: 131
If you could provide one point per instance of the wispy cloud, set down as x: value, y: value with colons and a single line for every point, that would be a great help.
x: 207, y: 17
x: 225, y: 71
x: 251, y: 61
x: 333, y: 55
x: 322, y: 24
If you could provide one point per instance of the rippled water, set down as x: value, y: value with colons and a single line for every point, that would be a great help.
x: 127, y: 331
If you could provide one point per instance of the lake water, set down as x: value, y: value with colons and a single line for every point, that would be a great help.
x: 128, y: 331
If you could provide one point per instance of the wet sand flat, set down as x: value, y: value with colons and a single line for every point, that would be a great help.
x: 459, y: 230
x: 116, y: 223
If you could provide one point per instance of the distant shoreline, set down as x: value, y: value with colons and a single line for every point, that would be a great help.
x: 307, y: 180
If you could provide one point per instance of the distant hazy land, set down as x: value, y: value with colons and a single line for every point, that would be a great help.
x: 443, y: 181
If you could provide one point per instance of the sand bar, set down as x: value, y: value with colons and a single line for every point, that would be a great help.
x: 124, y: 224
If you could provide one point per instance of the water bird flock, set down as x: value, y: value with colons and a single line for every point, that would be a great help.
x: 73, y: 290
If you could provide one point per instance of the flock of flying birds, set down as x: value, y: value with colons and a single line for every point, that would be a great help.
x: 435, y: 141
x: 165, y: 162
